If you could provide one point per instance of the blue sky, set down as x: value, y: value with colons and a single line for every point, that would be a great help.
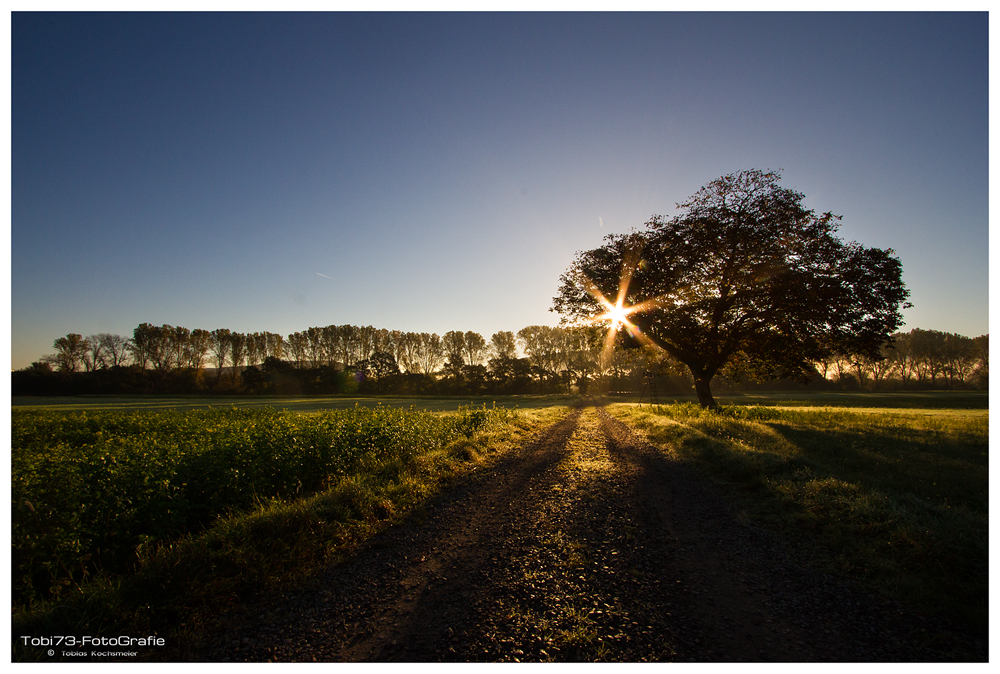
x: 433, y: 172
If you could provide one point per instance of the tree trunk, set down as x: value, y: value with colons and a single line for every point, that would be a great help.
x: 703, y: 387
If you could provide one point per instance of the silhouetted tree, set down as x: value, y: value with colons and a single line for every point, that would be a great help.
x: 116, y: 348
x: 219, y: 344
x: 453, y: 343
x: 473, y: 348
x: 70, y: 352
x: 510, y: 375
x: 745, y: 276
x: 503, y: 345
x: 93, y: 355
x: 430, y: 353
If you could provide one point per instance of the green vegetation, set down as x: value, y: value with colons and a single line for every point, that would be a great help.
x: 899, y: 499
x: 145, y: 519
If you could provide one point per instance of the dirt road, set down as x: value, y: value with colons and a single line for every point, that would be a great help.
x: 584, y: 544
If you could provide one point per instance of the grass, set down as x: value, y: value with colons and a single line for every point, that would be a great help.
x: 174, y: 586
x: 290, y: 403
x: 897, y: 498
x: 916, y: 400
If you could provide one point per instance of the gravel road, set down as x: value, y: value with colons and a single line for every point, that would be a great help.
x: 584, y: 544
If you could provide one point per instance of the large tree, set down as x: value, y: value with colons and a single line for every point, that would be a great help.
x: 745, y: 277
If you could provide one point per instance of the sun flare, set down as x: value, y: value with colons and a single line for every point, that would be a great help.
x: 616, y: 314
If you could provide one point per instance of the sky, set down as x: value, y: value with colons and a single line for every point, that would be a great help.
x: 429, y: 172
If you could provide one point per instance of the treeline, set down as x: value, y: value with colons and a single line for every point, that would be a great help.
x: 365, y: 360
x: 320, y: 360
x: 919, y: 359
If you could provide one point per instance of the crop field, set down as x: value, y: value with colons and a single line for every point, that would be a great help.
x: 898, y: 497
x: 98, y: 493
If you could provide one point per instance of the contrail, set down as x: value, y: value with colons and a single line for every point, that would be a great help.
x: 324, y: 276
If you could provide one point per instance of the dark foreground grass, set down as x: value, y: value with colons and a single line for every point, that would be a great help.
x: 176, y: 586
x: 898, y: 499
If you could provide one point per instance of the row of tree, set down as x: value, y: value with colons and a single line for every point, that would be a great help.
x: 355, y: 359
x: 165, y: 348
x: 330, y: 359
x: 916, y: 359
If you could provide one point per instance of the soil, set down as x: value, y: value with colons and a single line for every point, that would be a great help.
x: 584, y: 544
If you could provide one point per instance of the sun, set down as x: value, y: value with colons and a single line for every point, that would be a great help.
x: 616, y: 314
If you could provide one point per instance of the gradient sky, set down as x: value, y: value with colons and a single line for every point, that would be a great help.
x: 434, y: 172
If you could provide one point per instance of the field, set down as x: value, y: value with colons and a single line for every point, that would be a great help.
x: 147, y: 513
x: 898, y: 497
x: 292, y: 404
x: 103, y: 499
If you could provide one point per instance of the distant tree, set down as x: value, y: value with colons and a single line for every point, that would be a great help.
x: 473, y: 348
x: 746, y: 276
x: 397, y: 347
x: 219, y: 346
x: 93, y: 356
x: 546, y: 347
x: 928, y: 352
x: 350, y: 345
x: 317, y: 347
x: 177, y: 344
x: 196, y: 348
x: 454, y: 345
x: 366, y: 342
x: 253, y: 379
x: 330, y: 340
x: 510, y: 375
x: 453, y: 342
x: 237, y: 350
x: 431, y: 352
x: 144, y: 344
x: 409, y: 352
x: 275, y: 346
x: 383, y: 365
x: 382, y: 341
x: 582, y: 355
x: 298, y: 347
x: 981, y: 374
x: 281, y: 377
x: 503, y: 345
x: 475, y: 379
x: 959, y: 355
x: 116, y: 349
x: 70, y: 352
x: 901, y: 356
x: 255, y: 348
x: 40, y: 367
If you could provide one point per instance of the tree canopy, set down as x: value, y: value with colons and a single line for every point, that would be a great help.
x: 744, y: 278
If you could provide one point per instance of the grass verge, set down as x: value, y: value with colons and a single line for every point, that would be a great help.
x: 898, y: 500
x: 177, y: 587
